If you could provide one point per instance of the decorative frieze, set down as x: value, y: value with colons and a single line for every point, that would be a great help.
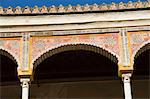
x: 78, y: 8
x: 71, y: 32
x: 41, y: 45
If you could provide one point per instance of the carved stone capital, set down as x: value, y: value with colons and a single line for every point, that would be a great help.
x: 126, y: 77
x: 25, y: 82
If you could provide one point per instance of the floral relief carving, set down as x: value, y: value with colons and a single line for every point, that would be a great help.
x: 108, y: 42
x: 13, y: 46
x: 137, y: 39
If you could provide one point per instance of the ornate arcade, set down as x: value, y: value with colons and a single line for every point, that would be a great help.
x: 119, y: 32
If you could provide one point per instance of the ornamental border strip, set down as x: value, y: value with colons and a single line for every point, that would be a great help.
x: 75, y: 32
x: 73, y: 9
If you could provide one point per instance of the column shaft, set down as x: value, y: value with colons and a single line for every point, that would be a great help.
x: 127, y: 86
x: 25, y: 88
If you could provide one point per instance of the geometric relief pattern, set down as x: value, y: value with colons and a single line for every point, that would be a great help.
x: 137, y: 40
x: 109, y: 42
x: 12, y: 45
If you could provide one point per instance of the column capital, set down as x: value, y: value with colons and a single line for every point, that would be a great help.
x: 126, y: 77
x: 123, y: 70
x: 127, y: 86
x: 25, y: 81
x: 25, y: 87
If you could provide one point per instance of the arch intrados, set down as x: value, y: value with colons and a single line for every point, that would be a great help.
x: 140, y: 65
x: 72, y: 47
x: 141, y: 50
x: 9, y: 55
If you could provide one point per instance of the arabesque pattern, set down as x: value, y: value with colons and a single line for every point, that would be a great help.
x: 108, y: 42
x: 12, y: 46
x: 138, y: 40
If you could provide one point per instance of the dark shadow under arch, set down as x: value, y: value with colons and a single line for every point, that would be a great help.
x: 8, y: 68
x: 5, y: 53
x: 74, y: 47
x: 142, y: 50
x: 141, y: 74
x: 80, y: 71
x: 142, y: 61
x: 76, y: 61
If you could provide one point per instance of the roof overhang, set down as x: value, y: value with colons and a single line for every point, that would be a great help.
x: 56, y: 22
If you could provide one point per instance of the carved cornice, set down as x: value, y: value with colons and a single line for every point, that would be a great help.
x: 73, y: 9
x: 71, y: 32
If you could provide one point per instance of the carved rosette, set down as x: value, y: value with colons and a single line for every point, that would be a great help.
x: 108, y: 42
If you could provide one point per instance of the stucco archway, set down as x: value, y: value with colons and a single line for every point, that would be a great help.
x: 141, y: 73
x: 70, y: 47
x: 9, y: 55
x: 8, y: 66
x: 76, y: 63
x: 9, y: 81
x: 141, y: 60
x: 78, y: 47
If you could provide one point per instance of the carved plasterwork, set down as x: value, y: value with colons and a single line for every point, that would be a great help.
x: 25, y: 51
x: 12, y: 46
x: 77, y: 32
x: 41, y: 45
x: 137, y: 41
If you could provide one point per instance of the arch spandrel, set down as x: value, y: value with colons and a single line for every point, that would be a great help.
x: 107, y: 42
x: 137, y: 41
x: 11, y: 46
x: 70, y: 47
x: 8, y: 54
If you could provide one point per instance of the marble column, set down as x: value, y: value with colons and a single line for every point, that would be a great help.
x: 127, y: 86
x: 25, y: 87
